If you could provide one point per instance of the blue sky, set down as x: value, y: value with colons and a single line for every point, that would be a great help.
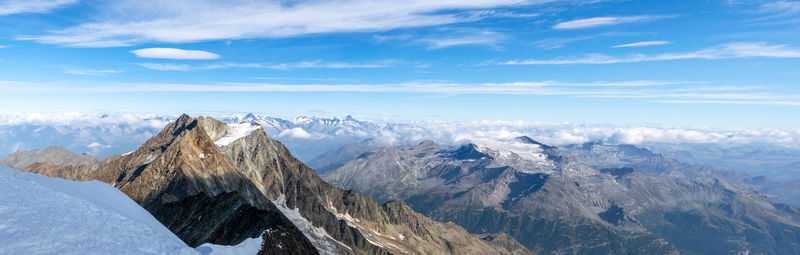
x: 714, y: 63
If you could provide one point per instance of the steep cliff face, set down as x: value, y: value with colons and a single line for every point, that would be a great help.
x: 211, y: 182
x: 553, y: 203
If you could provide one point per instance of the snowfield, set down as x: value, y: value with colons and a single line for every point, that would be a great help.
x: 236, y: 131
x: 249, y: 246
x: 43, y: 215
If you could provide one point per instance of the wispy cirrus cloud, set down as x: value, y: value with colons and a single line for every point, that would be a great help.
x: 725, y: 51
x: 559, y: 42
x: 172, y: 53
x: 672, y: 92
x: 654, y: 91
x: 93, y: 72
x: 739, y: 102
x: 473, y: 38
x: 132, y: 22
x: 9, y: 7
x: 641, y: 44
x: 279, y: 66
x: 782, y: 7
x: 607, y: 21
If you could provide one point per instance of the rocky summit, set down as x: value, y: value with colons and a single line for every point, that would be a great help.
x: 212, y: 182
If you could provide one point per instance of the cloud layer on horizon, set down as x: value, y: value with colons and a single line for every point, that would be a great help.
x: 443, y: 132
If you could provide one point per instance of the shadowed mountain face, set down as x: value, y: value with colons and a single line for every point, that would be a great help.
x: 553, y: 203
x: 211, y: 182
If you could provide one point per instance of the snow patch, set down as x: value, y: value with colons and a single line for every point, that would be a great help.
x: 346, y: 216
x: 505, y: 149
x: 236, y: 131
x: 374, y: 243
x: 247, y: 247
x: 150, y: 159
x: 324, y: 243
x: 370, y: 235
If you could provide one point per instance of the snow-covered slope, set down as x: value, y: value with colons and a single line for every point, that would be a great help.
x: 43, y: 215
x: 250, y: 246
x: 236, y: 131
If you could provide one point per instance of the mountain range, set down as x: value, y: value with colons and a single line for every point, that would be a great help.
x: 757, y: 153
x: 212, y: 182
x: 592, y: 198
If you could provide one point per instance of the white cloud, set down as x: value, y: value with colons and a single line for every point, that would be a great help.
x: 539, y: 88
x: 442, y: 132
x: 638, y: 135
x: 91, y: 71
x: 132, y: 22
x: 172, y: 53
x: 742, y: 102
x: 606, y: 21
x: 653, y: 91
x: 334, y: 65
x: 166, y: 67
x: 477, y: 38
x: 281, y: 66
x: 295, y: 133
x: 80, y: 120
x: 9, y: 7
x: 725, y: 51
x: 641, y: 44
x: 455, y: 132
x: 784, y: 7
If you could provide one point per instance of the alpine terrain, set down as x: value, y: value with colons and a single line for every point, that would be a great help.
x: 553, y: 202
x: 225, y: 184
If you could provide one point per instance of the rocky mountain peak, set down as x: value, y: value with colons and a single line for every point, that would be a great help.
x: 56, y: 155
x: 426, y: 146
x: 469, y: 151
x: 526, y: 139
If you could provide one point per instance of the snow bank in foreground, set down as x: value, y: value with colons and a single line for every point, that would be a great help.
x: 43, y: 215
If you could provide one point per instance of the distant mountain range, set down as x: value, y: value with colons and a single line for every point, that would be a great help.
x: 589, y: 198
x: 770, y: 153
x: 224, y: 182
x: 212, y: 182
